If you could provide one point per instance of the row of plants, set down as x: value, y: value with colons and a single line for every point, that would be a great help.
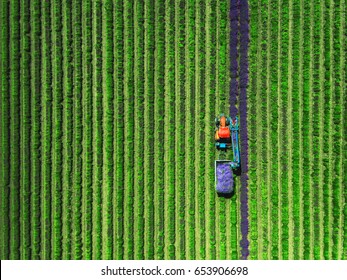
x: 139, y: 130
x: 129, y: 124
x: 251, y: 125
x: 339, y: 124
x: 35, y: 131
x: 97, y: 240
x: 170, y: 155
x: 114, y: 102
x: 285, y: 133
x: 306, y: 132
x: 15, y: 103
x: 180, y: 59
x: 149, y: 120
x: 243, y: 83
x: 108, y: 123
x: 159, y: 112
x: 67, y: 91
x: 25, y: 132
x: 295, y: 124
x: 272, y: 129
x: 327, y: 109
x: 190, y: 123
x: 210, y: 151
x: 201, y: 189
x: 5, y: 131
x: 77, y: 142
x: 342, y: 220
x: 233, y: 90
x: 46, y: 131
x: 57, y: 111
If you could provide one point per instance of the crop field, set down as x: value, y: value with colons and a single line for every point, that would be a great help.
x: 297, y: 130
x: 107, y: 124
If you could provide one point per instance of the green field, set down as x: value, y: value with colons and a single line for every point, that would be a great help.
x: 297, y: 130
x: 107, y: 125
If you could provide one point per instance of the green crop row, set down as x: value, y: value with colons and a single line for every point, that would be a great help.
x: 342, y: 252
x: 57, y: 120
x: 210, y: 115
x: 327, y: 149
x: 129, y: 126
x: 286, y: 135
x: 296, y: 123
x: 316, y: 125
x: 67, y: 128
x: 87, y: 101
x: 77, y: 147
x: 5, y: 132
x: 264, y: 163
x: 200, y: 71
x: 169, y: 122
x: 149, y: 24
x: 119, y: 133
x: 222, y: 93
x: 159, y: 112
x: 306, y: 130
x: 251, y: 108
x: 190, y: 124
x: 273, y: 132
x: 108, y: 128
x: 139, y: 130
x: 15, y: 101
x: 232, y: 208
x: 97, y: 130
x: 107, y: 119
x: 180, y: 58
x: 46, y: 131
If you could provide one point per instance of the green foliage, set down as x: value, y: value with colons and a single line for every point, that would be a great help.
x: 77, y: 132
x: 139, y: 131
x: 107, y: 128
x: 87, y: 101
x: 107, y: 112
x: 5, y: 134
x: 57, y: 119
x: 35, y: 132
x: 149, y: 119
x: 67, y: 103
x: 252, y: 101
x: 97, y: 130
x: 46, y: 132
x: 159, y: 128
x: 201, y: 107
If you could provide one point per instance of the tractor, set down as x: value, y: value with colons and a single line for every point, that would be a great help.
x: 226, y: 137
